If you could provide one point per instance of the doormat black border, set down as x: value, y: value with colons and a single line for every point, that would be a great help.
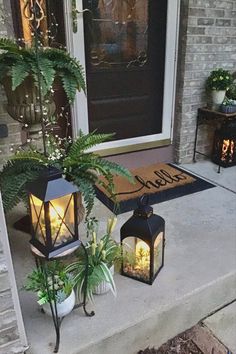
x: 159, y: 197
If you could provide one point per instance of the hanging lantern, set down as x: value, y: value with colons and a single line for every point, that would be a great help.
x: 143, y: 240
x: 54, y: 214
x: 224, y: 147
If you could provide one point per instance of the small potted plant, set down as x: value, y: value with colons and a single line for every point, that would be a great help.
x: 56, y: 284
x: 217, y: 83
x: 228, y: 106
x: 102, y: 254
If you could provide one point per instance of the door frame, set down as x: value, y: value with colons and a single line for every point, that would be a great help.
x: 80, y: 107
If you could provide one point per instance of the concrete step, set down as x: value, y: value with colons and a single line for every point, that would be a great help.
x: 198, y: 278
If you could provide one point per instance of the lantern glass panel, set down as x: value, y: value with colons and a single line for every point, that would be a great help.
x: 136, y: 258
x: 38, y: 218
x: 61, y: 213
x: 158, y: 252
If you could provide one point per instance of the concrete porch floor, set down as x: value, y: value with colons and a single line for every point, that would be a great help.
x: 198, y: 278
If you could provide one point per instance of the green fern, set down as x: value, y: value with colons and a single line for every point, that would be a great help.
x: 82, y: 167
x: 85, y: 142
x: 14, y: 177
x: 50, y: 64
x: 19, y: 73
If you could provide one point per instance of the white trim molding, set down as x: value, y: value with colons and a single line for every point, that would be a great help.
x: 11, y: 273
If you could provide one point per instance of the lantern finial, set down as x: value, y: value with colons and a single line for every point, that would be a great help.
x: 144, y: 210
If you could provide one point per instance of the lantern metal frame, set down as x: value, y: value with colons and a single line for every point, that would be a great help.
x: 146, y: 226
x: 50, y: 186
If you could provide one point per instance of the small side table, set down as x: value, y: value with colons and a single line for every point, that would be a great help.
x: 207, y: 116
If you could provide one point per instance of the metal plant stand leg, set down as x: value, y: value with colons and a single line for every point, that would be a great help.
x: 195, y: 142
x: 92, y: 313
x: 52, y: 303
x: 43, y: 264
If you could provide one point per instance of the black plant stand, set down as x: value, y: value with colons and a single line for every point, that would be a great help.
x: 42, y: 263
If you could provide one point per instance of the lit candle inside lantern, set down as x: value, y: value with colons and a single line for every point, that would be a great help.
x: 56, y: 213
x: 142, y: 255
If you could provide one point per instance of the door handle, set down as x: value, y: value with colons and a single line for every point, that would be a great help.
x: 74, y: 14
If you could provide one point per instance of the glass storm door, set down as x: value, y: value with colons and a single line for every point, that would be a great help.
x: 125, y: 46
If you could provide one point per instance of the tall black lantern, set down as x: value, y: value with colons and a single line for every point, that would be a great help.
x: 143, y: 240
x: 54, y: 214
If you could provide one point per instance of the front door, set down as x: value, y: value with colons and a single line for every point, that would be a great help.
x: 125, y: 65
x: 128, y: 48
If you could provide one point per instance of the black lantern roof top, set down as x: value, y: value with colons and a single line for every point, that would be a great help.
x: 50, y: 185
x: 143, y: 224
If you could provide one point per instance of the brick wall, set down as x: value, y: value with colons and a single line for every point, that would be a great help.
x: 207, y: 41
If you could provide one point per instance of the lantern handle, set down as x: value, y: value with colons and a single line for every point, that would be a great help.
x: 144, y: 200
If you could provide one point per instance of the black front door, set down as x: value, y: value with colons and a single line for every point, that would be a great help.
x: 125, y: 64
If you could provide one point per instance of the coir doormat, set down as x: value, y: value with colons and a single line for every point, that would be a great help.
x: 160, y: 181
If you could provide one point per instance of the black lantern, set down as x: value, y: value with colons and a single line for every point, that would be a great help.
x: 143, y: 240
x: 224, y: 147
x: 54, y: 215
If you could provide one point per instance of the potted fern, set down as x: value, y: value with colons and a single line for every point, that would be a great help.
x: 56, y: 284
x: 23, y: 70
x: 102, y: 254
x: 74, y: 158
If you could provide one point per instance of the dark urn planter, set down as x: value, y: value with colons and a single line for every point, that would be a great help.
x: 23, y: 103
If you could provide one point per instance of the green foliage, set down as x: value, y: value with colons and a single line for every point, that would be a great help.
x: 219, y: 79
x: 50, y: 64
x: 231, y: 93
x: 82, y: 167
x: 54, y: 281
x: 101, y: 256
x: 21, y: 169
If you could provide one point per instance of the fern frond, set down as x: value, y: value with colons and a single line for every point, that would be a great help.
x: 30, y: 156
x: 88, y: 191
x: 116, y: 169
x: 13, y: 178
x: 8, y: 44
x: 47, y: 71
x: 69, y: 84
x: 19, y: 72
x: 85, y: 142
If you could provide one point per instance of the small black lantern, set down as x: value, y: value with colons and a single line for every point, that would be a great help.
x: 143, y: 240
x: 224, y: 146
x: 54, y: 214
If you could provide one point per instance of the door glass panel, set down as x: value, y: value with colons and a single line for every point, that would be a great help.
x: 118, y: 33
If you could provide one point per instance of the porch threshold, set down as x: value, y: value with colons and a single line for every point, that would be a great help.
x: 199, y: 277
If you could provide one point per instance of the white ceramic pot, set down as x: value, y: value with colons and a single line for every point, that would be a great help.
x: 218, y: 96
x: 103, y: 287
x: 63, y: 308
